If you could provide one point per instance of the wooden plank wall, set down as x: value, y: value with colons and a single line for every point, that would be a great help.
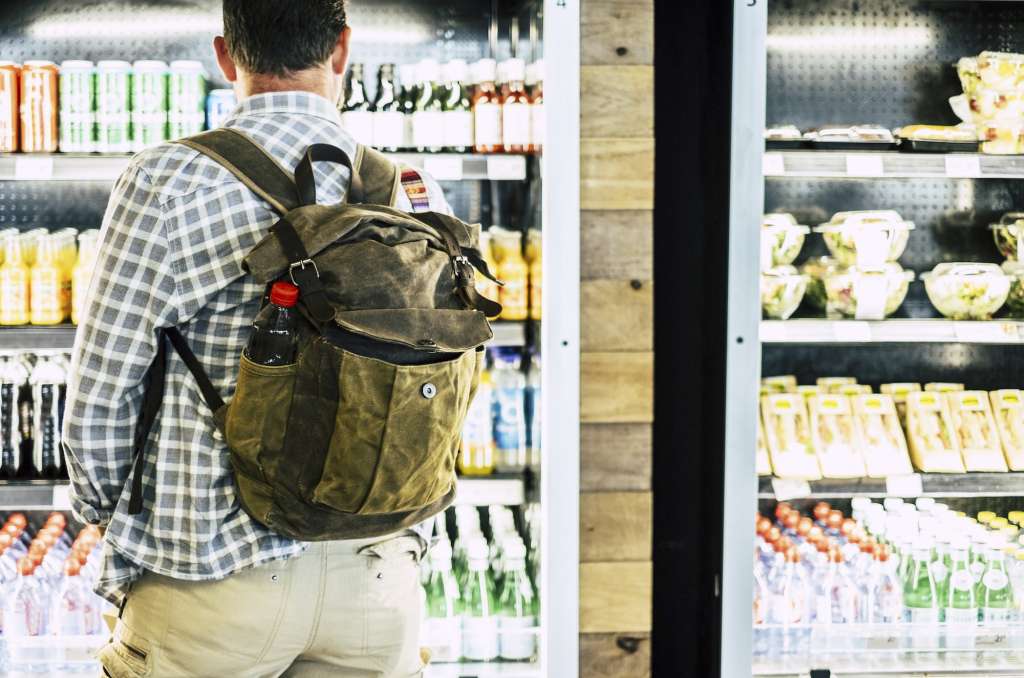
x: 617, y: 361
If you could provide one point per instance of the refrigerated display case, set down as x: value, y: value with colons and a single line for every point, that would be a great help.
x: 531, y: 191
x: 870, y: 590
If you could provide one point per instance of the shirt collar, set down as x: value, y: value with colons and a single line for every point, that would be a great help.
x: 301, y: 103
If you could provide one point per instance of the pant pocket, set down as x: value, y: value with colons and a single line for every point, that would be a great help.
x: 127, y: 655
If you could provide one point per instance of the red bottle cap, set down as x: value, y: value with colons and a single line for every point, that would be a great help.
x: 284, y: 294
x: 26, y: 566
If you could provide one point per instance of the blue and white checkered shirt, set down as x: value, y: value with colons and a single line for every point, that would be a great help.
x: 176, y: 230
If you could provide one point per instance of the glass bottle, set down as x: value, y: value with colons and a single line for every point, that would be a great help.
x: 513, y: 271
x: 919, y: 598
x: 14, y: 283
x: 486, y: 287
x: 534, y: 256
x: 428, y: 119
x: 407, y: 74
x: 486, y: 108
x: 356, y: 114
x: 515, y: 109
x: 995, y: 596
x: 537, y: 124
x: 458, y: 109
x: 442, y: 630
x: 388, y: 120
x: 48, y: 282
x: 961, y: 605
x: 81, y: 274
x: 479, y: 608
x: 517, y: 620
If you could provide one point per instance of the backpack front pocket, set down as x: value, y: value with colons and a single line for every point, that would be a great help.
x: 396, y: 434
x: 257, y: 416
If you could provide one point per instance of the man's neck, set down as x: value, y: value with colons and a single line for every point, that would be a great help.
x: 314, y: 81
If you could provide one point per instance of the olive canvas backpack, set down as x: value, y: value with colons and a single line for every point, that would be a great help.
x: 359, y: 437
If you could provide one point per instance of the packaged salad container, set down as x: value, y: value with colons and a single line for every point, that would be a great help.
x: 1001, y: 137
x: 899, y: 393
x: 808, y: 391
x: 784, y: 238
x: 785, y: 383
x: 833, y: 384
x: 762, y: 463
x: 968, y: 72
x: 1008, y: 410
x: 835, y: 437
x: 867, y: 239
x: 1015, y: 300
x: 883, y: 444
x: 788, y: 435
x: 872, y: 294
x: 854, y: 389
x: 967, y: 291
x: 782, y: 290
x: 817, y: 270
x: 990, y: 105
x: 1002, y: 70
x: 934, y: 447
x: 943, y: 387
x: 975, y: 429
x: 1007, y: 235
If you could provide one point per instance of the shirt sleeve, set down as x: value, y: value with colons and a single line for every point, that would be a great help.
x: 131, y: 296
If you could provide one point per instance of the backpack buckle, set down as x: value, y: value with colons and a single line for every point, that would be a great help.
x: 301, y: 265
x: 464, y: 271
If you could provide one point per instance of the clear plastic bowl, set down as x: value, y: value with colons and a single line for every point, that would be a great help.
x: 784, y: 236
x: 876, y: 294
x: 817, y: 270
x: 967, y: 291
x: 867, y: 239
x: 1007, y: 234
x: 1015, y: 300
x: 782, y: 290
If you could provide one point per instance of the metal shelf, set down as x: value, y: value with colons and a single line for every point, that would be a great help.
x: 884, y: 164
x: 31, y: 338
x: 107, y: 168
x: 506, y: 490
x: 508, y: 333
x: 891, y: 331
x: 478, y: 670
x: 937, y: 485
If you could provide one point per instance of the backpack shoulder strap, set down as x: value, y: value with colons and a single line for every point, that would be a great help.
x: 381, y: 178
x: 253, y: 166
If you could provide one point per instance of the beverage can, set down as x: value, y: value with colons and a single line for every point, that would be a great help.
x: 148, y: 129
x: 220, y: 105
x: 149, y: 87
x: 181, y: 125
x: 187, y: 87
x: 39, y: 102
x: 77, y: 132
x: 113, y: 132
x: 77, y: 87
x: 113, y: 88
x: 10, y: 109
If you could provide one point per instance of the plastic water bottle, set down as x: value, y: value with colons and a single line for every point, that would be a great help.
x: 533, y: 412
x: 517, y: 605
x: 12, y: 377
x: 479, y: 609
x: 275, y: 339
x: 477, y: 454
x: 790, y: 607
x: 25, y: 608
x: 509, y: 420
x: 72, y: 612
x: 47, y: 379
x: 442, y: 627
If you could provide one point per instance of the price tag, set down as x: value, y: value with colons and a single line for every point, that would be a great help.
x: 865, y: 165
x: 773, y: 331
x: 789, y: 488
x: 991, y: 639
x: 61, y: 497
x: 967, y: 166
x: 443, y: 168
x: 774, y: 165
x: 851, y: 331
x: 985, y: 332
x: 33, y: 167
x: 506, y: 167
x: 883, y: 643
x: 907, y: 486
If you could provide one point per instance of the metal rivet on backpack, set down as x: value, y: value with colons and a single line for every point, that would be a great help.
x: 429, y: 391
x: 426, y: 342
x: 273, y: 577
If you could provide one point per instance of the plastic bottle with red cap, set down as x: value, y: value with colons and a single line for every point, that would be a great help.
x: 274, y: 341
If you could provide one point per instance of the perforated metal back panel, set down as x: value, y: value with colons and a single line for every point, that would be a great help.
x: 884, y: 61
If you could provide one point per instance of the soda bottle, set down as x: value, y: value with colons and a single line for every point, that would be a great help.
x: 509, y: 422
x: 14, y: 283
x: 479, y: 611
x: 274, y: 341
x: 961, y: 605
x: 46, y: 380
x: 517, y: 620
x: 477, y: 453
x: 919, y: 598
x: 442, y: 632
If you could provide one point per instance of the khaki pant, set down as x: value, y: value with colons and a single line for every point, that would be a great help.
x: 348, y: 609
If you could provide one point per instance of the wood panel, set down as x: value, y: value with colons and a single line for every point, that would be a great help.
x: 615, y: 457
x: 617, y: 244
x: 617, y: 31
x: 609, y: 655
x: 617, y: 174
x: 617, y: 315
x: 617, y: 101
x: 617, y: 388
x: 615, y: 526
x: 615, y: 597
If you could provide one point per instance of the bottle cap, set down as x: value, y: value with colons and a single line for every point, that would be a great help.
x: 514, y: 69
x: 18, y: 519
x: 72, y: 567
x: 477, y: 549
x: 514, y: 549
x: 25, y: 566
x: 284, y: 294
x: 455, y: 71
x: 485, y: 70
x: 428, y: 70
x: 149, y: 65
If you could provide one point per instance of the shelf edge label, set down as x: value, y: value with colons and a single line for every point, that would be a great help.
x: 906, y: 486
x: 773, y: 165
x: 963, y: 166
x: 506, y: 167
x: 30, y: 167
x: 444, y: 168
x: 865, y: 165
x: 790, y: 488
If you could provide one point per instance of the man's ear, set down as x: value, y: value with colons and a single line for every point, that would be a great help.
x: 339, y: 58
x: 224, y: 60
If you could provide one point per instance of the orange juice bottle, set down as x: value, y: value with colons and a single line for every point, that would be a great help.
x: 14, y: 284
x: 81, y: 275
x: 50, y: 297
x: 536, y: 278
x: 513, y: 271
x: 30, y: 241
x: 66, y: 238
x: 486, y: 287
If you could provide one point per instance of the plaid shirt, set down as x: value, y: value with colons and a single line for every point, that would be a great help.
x: 176, y: 230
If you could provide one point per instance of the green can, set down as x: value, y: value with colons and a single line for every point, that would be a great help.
x: 148, y: 129
x: 77, y: 132
x: 113, y: 132
x: 77, y: 87
x: 114, y: 87
x: 182, y: 125
x: 149, y: 87
x: 187, y: 87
